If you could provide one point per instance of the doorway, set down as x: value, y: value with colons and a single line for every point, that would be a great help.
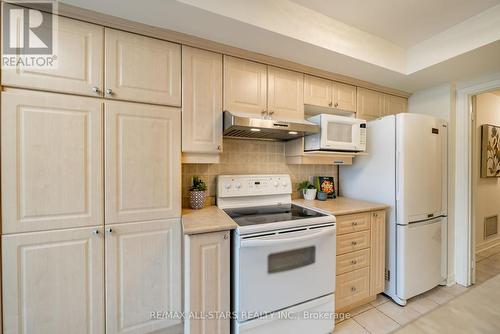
x: 485, y: 209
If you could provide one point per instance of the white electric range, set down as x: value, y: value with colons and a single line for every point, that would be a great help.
x: 283, y: 258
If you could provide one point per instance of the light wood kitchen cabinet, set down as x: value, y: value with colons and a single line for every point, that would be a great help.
x: 326, y: 93
x: 377, y: 248
x: 78, y: 68
x: 143, y: 275
x: 207, y: 284
x: 201, y: 102
x: 142, y: 69
x: 51, y: 161
x: 395, y: 105
x: 370, y: 104
x: 53, y: 282
x: 285, y: 94
x: 245, y: 86
x: 143, y: 151
x: 360, y: 259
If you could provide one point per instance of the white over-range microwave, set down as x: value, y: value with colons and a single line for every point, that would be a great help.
x: 338, y: 133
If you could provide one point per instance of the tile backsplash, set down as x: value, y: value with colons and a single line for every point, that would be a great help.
x: 250, y: 157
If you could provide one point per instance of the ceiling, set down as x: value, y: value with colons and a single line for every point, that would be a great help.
x: 402, y: 22
x: 377, y: 44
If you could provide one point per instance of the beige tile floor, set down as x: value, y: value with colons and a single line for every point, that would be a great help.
x: 384, y: 316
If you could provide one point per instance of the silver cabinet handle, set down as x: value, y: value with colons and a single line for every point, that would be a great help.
x: 95, y: 232
x: 336, y: 104
x: 109, y: 91
x: 226, y: 236
x: 109, y: 230
x: 354, y: 223
x: 330, y: 104
x: 95, y: 89
x: 219, y: 148
x: 354, y: 243
x: 353, y: 289
x: 354, y: 262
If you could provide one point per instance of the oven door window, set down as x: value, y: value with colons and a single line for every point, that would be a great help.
x: 293, y: 259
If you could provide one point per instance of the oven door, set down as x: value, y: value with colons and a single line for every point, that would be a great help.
x: 277, y: 271
x: 340, y: 134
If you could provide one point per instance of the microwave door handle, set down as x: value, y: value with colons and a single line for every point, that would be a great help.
x: 277, y: 242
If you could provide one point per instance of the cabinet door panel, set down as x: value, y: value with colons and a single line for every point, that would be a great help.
x: 352, y: 287
x: 285, y: 94
x: 370, y: 104
x: 377, y: 267
x: 53, y: 282
x: 143, y: 275
x: 142, y: 162
x: 77, y: 68
x: 201, y: 101
x: 245, y: 86
x: 344, y: 97
x: 142, y: 69
x: 317, y: 91
x: 395, y: 105
x: 208, y: 285
x: 51, y: 161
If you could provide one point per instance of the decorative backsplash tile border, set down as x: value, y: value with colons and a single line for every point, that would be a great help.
x: 242, y: 156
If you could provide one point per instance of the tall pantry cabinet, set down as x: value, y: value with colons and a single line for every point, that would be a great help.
x: 91, y: 186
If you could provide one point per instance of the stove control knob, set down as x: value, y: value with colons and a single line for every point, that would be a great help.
x: 276, y: 184
x: 284, y: 184
x: 227, y: 186
x: 238, y: 185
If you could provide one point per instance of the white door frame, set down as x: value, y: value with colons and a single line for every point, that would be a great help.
x: 464, y: 241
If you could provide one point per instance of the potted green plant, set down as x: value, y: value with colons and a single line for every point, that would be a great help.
x: 308, y: 190
x: 197, y: 193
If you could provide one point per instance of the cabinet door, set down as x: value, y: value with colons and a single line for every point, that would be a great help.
x: 201, y: 101
x: 285, y: 94
x: 395, y: 105
x: 344, y: 97
x: 208, y: 281
x: 143, y: 275
x: 370, y: 104
x: 245, y: 86
x: 53, y: 282
x: 317, y: 91
x: 142, y: 69
x: 51, y: 161
x: 77, y: 68
x: 377, y: 265
x: 143, y: 148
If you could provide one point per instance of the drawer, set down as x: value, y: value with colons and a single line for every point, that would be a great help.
x: 352, y: 261
x: 352, y: 242
x: 353, y: 223
x: 352, y: 287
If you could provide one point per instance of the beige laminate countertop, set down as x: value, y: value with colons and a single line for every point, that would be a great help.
x: 206, y: 220
x: 342, y: 205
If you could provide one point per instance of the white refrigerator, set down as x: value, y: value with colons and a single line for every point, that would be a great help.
x: 406, y: 168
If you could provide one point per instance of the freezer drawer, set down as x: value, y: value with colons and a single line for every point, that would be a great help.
x: 419, y: 257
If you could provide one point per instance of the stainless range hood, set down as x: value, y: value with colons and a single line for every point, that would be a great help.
x: 240, y: 125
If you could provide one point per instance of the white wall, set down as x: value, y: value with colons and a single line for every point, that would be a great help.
x: 487, y: 192
x: 440, y: 102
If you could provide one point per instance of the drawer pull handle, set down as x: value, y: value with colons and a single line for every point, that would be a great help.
x: 353, y: 289
x: 354, y: 223
x: 354, y: 261
x: 354, y: 243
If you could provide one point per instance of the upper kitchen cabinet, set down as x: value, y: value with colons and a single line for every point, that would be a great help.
x: 78, y: 67
x: 201, y: 102
x: 245, y: 86
x: 370, y: 104
x: 52, y: 161
x: 395, y: 105
x: 142, y: 69
x: 142, y: 152
x: 329, y: 94
x: 285, y: 94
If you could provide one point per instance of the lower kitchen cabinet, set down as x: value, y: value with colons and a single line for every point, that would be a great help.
x: 143, y: 276
x: 360, y: 264
x: 53, y: 282
x: 207, y: 282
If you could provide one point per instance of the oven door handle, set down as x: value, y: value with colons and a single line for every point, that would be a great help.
x: 276, y: 242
